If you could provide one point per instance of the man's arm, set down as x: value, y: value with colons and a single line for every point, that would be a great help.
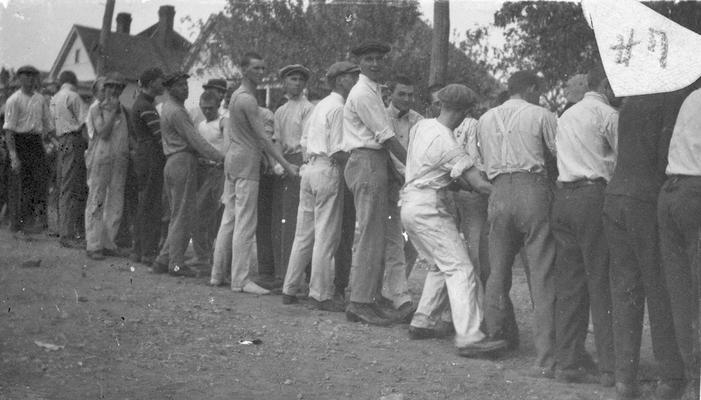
x: 374, y: 116
x: 12, y: 150
x: 183, y: 124
x: 250, y: 110
x: 549, y: 132
x: 102, y: 121
x: 611, y: 131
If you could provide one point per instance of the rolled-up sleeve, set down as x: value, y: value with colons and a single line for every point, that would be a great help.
x: 374, y: 117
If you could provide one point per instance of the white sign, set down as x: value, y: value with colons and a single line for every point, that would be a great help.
x: 642, y: 51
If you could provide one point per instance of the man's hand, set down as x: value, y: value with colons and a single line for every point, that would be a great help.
x: 474, y: 177
x: 15, y: 164
x: 292, y: 169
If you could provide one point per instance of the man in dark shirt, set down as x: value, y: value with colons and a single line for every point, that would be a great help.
x: 630, y: 224
x: 148, y: 163
x: 182, y: 144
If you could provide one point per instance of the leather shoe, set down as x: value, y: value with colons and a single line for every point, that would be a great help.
x: 669, y: 390
x: 326, y: 305
x: 416, y: 333
x: 269, y: 282
x: 365, y: 312
x: 626, y: 391
x: 482, y: 348
x: 289, y: 299
x: 182, y: 270
x: 386, y: 312
x: 95, y: 255
x: 406, y: 312
x: 158, y: 268
x: 251, y: 288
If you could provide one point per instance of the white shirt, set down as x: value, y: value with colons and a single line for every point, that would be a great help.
x: 685, y: 147
x: 323, y: 134
x: 434, y: 157
x: 290, y: 119
x: 213, y: 133
x: 402, y: 128
x: 365, y: 120
x: 69, y: 110
x: 587, y: 138
x: 466, y: 135
x: 27, y: 113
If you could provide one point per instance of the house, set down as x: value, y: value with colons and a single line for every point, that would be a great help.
x: 157, y: 46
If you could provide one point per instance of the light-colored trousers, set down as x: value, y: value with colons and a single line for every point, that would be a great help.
x: 395, y: 285
x: 103, y: 211
x: 318, y: 230
x: 236, y: 239
x: 433, y: 230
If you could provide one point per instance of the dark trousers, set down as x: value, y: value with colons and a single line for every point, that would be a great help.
x: 285, y: 206
x: 73, y: 180
x: 679, y: 216
x: 210, y: 179
x: 264, y: 239
x: 148, y: 165
x: 27, y: 187
x: 581, y: 275
x: 180, y: 181
x: 518, y: 217
x: 630, y: 226
x: 344, y: 252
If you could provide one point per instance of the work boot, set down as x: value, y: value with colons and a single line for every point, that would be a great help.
x: 482, y: 348
x: 365, y: 312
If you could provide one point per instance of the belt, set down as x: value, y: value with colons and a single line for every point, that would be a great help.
x: 581, y: 183
x: 315, y: 157
x: 209, y: 163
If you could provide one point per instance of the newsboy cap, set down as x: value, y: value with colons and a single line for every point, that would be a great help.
x: 370, y: 47
x: 150, y: 75
x: 219, y: 84
x: 340, y: 68
x: 295, y: 68
x: 27, y: 69
x: 457, y: 96
x: 174, y: 77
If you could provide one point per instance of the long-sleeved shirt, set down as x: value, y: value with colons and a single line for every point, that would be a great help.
x: 179, y: 133
x: 69, y: 110
x: 290, y: 119
x: 434, y: 157
x: 323, y: 134
x: 401, y: 125
x: 685, y: 147
x: 365, y: 120
x: 466, y: 135
x: 514, y: 137
x: 27, y: 114
x: 645, y: 126
x: 587, y: 136
x: 145, y: 119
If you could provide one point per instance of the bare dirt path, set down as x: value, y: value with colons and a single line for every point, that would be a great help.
x: 122, y: 333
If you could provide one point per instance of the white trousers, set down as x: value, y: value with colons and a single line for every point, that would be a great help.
x: 105, y: 204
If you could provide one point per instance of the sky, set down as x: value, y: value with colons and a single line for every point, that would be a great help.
x: 33, y: 31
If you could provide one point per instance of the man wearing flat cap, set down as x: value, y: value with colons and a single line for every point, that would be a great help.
x: 289, y: 121
x: 216, y: 86
x: 182, y: 144
x: 369, y: 137
x: 27, y: 122
x: 149, y: 161
x: 318, y: 230
x: 107, y: 160
x: 513, y: 141
x: 434, y: 161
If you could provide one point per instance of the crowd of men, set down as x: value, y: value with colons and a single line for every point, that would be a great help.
x: 602, y: 205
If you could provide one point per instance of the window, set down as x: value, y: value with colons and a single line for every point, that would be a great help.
x: 77, y: 56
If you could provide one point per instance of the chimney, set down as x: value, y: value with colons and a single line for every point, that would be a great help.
x: 166, y: 15
x: 123, y: 23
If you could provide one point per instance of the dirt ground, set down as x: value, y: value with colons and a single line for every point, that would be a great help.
x: 122, y: 333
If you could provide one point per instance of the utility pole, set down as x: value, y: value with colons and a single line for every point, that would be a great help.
x: 104, y: 37
x: 440, y: 42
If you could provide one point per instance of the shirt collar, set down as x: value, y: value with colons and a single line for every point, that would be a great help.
x: 68, y: 86
x: 598, y: 96
x: 337, y: 96
x: 369, y: 82
x: 395, y: 113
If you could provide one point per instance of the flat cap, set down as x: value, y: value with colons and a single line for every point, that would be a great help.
x: 115, y: 78
x: 150, y: 75
x: 370, y: 47
x: 218, y: 84
x: 27, y: 69
x: 295, y: 68
x: 174, y: 77
x: 340, y: 68
x: 457, y: 96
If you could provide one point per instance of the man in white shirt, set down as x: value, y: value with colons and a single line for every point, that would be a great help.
x: 587, y: 136
x: 679, y: 216
x: 435, y: 161
x: 318, y: 229
x: 368, y: 136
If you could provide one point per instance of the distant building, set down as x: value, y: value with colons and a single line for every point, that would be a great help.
x: 157, y: 46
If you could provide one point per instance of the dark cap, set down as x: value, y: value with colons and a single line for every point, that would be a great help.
x: 115, y: 78
x: 174, y: 77
x: 457, y: 96
x: 370, y: 47
x: 27, y: 69
x: 218, y: 84
x: 150, y: 75
x: 295, y: 68
x: 340, y: 68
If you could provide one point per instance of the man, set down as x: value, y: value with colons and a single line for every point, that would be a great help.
x: 514, y: 138
x: 181, y: 145
x: 216, y: 86
x: 586, y: 147
x: 318, y: 229
x: 645, y: 127
x: 107, y: 160
x: 575, y: 88
x: 679, y: 214
x: 434, y: 161
x: 399, y: 256
x: 149, y: 161
x: 27, y: 121
x: 236, y: 238
x: 434, y: 105
x: 289, y: 121
x: 210, y: 176
x: 69, y: 114
x: 266, y: 195
x: 368, y: 135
